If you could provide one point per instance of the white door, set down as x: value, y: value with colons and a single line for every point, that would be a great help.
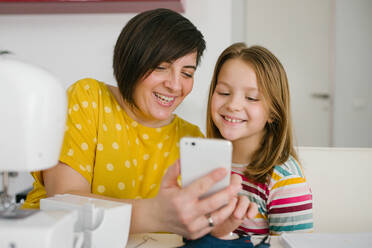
x: 299, y: 33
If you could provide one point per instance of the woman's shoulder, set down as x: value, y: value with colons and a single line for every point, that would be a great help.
x: 187, y: 128
x: 86, y: 85
x: 87, y: 91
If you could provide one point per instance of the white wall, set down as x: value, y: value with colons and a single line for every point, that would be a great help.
x: 73, y: 46
x: 298, y: 32
x: 325, y: 47
x: 353, y: 81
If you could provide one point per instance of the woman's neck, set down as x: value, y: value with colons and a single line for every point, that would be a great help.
x: 136, y: 115
x: 132, y: 112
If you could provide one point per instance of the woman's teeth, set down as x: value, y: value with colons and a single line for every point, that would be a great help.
x: 164, y: 99
x: 232, y: 120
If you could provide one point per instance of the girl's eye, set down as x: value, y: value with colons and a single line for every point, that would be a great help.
x: 223, y: 93
x: 252, y: 99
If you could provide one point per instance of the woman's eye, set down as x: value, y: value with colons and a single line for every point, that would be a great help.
x: 189, y: 75
x: 160, y: 68
x: 223, y: 93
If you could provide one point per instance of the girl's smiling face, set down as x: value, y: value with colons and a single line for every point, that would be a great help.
x: 238, y: 108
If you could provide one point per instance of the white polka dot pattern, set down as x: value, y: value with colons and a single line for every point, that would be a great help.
x: 127, y: 164
x: 101, y: 189
x: 121, y: 185
x: 115, y: 146
x: 110, y: 167
x: 124, y: 158
x: 84, y: 146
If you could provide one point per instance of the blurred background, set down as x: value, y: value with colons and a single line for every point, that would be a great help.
x: 324, y: 45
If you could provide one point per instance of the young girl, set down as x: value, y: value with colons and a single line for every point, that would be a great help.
x: 249, y: 105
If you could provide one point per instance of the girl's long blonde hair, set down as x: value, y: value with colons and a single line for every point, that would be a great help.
x: 277, y: 142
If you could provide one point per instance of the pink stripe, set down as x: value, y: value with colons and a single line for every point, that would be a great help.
x: 260, y: 185
x: 256, y: 231
x: 288, y: 190
x: 291, y: 200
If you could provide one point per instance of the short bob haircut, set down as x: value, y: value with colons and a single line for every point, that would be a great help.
x: 277, y: 144
x: 147, y: 40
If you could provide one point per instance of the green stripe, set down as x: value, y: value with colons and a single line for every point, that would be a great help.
x: 292, y: 227
x: 297, y: 166
x: 282, y: 171
x: 292, y: 219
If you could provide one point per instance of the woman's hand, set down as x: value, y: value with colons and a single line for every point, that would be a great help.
x: 181, y: 211
x: 241, y: 208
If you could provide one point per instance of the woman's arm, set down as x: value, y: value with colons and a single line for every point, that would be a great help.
x: 172, y: 210
x: 62, y: 179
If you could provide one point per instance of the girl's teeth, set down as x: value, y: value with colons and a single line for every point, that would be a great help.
x: 232, y: 120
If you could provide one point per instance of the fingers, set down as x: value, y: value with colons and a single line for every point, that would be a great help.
x: 203, y: 184
x: 242, y: 207
x: 218, y: 200
x: 252, y: 210
x: 225, y: 212
x: 170, y: 177
x: 218, y: 217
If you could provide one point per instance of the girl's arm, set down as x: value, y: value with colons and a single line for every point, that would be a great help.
x: 290, y: 206
x: 173, y: 210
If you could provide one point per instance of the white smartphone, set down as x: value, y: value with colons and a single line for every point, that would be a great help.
x: 201, y: 156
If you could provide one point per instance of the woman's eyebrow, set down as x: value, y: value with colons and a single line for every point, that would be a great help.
x: 190, y: 66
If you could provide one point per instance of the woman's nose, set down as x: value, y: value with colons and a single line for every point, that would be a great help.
x: 173, y: 82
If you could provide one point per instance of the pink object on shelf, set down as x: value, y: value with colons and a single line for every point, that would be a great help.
x: 86, y: 6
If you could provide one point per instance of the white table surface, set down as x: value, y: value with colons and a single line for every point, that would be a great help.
x: 157, y: 240
x: 309, y: 240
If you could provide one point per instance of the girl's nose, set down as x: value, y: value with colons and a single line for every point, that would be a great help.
x: 234, y: 103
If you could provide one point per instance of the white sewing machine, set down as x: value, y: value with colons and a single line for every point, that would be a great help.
x: 32, y: 111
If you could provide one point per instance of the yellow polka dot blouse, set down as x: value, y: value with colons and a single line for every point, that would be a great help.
x: 118, y: 156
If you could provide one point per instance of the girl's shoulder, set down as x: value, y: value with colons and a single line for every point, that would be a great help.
x: 290, y: 168
x: 288, y: 173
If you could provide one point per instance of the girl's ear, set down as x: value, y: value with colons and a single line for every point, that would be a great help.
x: 271, y: 118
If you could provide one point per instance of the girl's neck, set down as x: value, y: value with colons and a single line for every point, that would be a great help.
x: 243, y: 150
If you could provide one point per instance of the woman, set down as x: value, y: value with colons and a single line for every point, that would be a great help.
x: 119, y: 142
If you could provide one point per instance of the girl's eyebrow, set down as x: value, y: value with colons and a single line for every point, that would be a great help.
x: 228, y: 85
x: 247, y: 89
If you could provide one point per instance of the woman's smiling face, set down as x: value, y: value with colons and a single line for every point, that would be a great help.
x: 160, y: 93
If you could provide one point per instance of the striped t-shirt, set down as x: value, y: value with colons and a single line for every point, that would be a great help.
x: 284, y: 203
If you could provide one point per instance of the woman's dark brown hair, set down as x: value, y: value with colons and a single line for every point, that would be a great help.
x: 147, y: 40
